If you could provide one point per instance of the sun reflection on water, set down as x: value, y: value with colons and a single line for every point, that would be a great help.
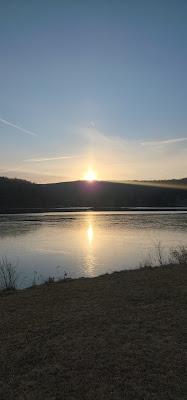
x: 90, y: 257
x: 90, y: 233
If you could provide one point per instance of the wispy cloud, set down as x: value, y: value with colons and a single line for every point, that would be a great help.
x: 44, y: 159
x: 19, y: 128
x: 161, y: 142
x: 125, y: 159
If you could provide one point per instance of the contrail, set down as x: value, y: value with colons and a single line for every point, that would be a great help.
x: 160, y: 142
x: 4, y: 121
x: 43, y: 159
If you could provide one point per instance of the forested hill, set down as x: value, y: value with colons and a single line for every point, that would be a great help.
x: 16, y: 193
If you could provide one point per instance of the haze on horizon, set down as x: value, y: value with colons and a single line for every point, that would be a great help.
x: 93, y: 86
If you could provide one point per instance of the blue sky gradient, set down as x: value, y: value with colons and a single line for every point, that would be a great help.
x: 100, y: 84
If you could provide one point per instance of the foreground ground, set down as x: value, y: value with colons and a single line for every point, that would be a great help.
x: 119, y: 336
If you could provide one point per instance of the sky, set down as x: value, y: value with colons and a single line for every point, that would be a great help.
x: 95, y: 85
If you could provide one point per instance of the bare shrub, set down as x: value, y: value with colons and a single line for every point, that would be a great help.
x: 162, y: 257
x: 49, y: 280
x: 8, y: 275
x: 156, y: 257
x: 178, y: 255
x: 159, y: 254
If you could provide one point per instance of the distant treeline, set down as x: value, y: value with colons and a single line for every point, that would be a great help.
x: 16, y: 193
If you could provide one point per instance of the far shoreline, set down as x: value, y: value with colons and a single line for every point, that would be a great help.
x: 31, y: 210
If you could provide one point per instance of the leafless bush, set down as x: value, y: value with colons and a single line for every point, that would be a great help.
x: 8, y: 275
x: 156, y: 257
x: 49, y: 280
x: 178, y: 255
x: 159, y: 254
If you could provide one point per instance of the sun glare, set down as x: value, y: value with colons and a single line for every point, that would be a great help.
x: 90, y: 176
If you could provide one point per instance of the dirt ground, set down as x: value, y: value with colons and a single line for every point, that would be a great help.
x: 114, y: 337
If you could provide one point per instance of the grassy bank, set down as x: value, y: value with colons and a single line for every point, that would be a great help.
x: 119, y: 336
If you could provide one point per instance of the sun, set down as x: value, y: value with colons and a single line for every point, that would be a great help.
x: 90, y: 175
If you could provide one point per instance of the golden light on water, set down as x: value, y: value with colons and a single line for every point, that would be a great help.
x: 90, y: 175
x: 90, y: 257
x: 90, y: 234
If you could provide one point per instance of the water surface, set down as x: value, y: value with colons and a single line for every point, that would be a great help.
x: 86, y: 243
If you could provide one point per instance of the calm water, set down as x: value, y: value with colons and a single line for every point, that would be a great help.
x: 86, y: 244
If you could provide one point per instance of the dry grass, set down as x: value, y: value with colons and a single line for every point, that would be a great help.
x: 8, y: 275
x: 115, y: 337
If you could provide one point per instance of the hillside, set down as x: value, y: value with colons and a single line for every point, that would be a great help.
x: 15, y: 193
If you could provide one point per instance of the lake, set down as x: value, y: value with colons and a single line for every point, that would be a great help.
x: 86, y: 243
